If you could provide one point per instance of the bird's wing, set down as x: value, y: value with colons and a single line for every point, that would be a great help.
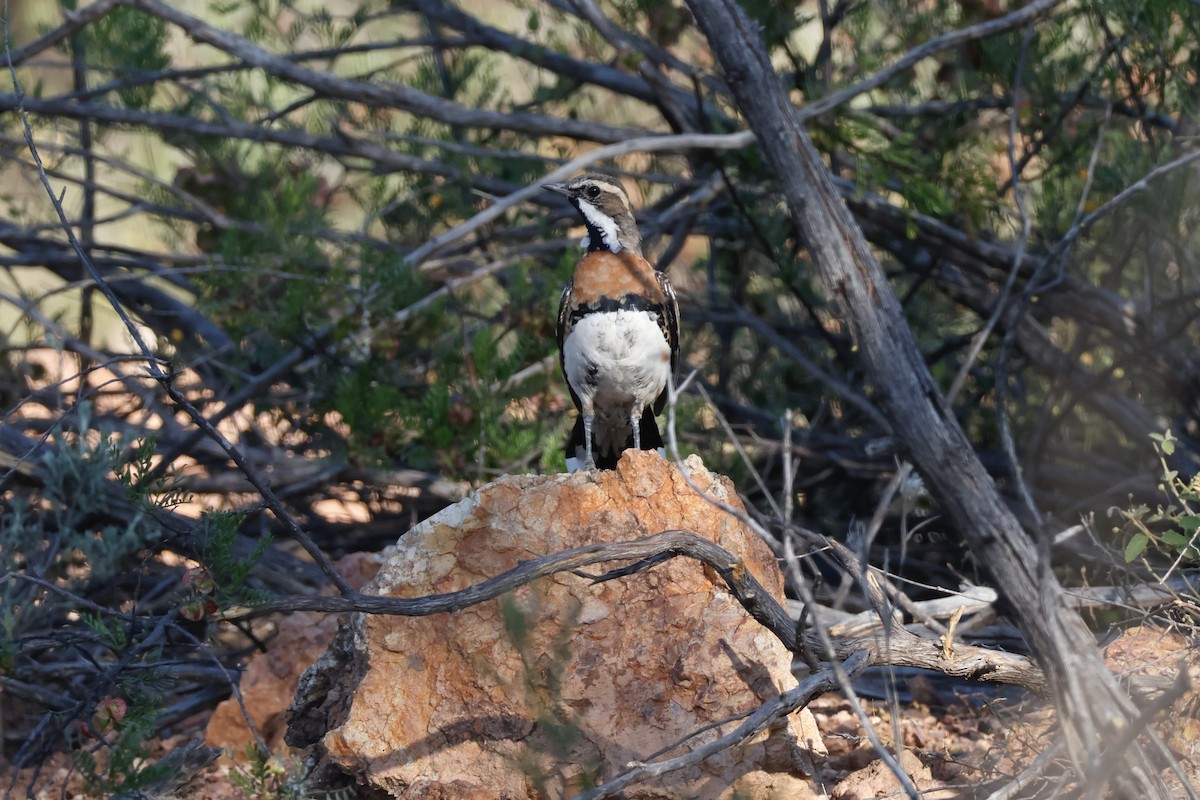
x: 564, y: 311
x: 670, y: 321
x: 564, y: 315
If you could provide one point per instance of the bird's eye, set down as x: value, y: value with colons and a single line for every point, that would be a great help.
x: 592, y: 191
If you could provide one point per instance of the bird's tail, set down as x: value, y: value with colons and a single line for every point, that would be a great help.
x: 576, y: 449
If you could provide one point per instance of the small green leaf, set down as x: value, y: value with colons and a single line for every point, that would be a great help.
x: 1135, y: 512
x: 1175, y: 539
x: 1136, y: 546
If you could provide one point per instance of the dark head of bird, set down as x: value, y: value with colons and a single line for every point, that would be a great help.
x: 606, y: 211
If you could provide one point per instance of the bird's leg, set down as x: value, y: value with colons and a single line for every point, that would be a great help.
x: 589, y: 462
x: 635, y: 419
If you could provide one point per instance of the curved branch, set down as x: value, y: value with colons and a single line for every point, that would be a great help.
x: 601, y: 75
x: 992, y: 27
x: 644, y: 144
x: 899, y: 647
x: 768, y: 714
x: 76, y: 21
x: 388, y: 95
x: 1092, y: 706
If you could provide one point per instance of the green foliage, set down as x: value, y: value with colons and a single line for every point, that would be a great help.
x: 78, y: 556
x: 280, y: 264
x: 1172, y: 529
x: 75, y: 556
x: 216, y: 536
x: 145, y: 485
x: 269, y: 777
x: 778, y: 19
x: 109, y: 633
x: 129, y: 44
x: 516, y: 622
x: 423, y: 389
x: 126, y: 764
x: 79, y: 552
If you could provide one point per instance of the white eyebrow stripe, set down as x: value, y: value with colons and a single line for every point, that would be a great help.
x: 602, y: 222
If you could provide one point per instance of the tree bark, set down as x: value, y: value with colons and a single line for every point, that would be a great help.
x: 1092, y: 708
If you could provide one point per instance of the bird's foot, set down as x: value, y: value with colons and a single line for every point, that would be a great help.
x: 589, y: 463
x: 581, y: 465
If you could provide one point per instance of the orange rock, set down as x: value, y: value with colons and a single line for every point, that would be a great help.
x: 876, y: 780
x: 269, y: 682
x: 270, y: 678
x: 562, y: 683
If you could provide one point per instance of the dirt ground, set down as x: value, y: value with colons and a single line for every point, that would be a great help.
x: 950, y: 753
x: 955, y: 744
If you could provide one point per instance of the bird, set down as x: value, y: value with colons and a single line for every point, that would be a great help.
x: 618, y: 330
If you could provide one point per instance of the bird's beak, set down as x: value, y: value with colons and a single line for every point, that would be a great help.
x: 561, y: 188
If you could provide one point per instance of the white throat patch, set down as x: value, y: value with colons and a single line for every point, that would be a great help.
x: 603, y: 223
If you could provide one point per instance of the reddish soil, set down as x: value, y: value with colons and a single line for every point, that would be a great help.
x: 950, y: 748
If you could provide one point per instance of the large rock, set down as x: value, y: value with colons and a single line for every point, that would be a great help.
x: 562, y: 684
x: 269, y: 679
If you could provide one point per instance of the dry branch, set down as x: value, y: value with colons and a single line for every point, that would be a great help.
x: 715, y: 189
x: 389, y: 95
x: 1092, y: 706
x: 899, y: 649
x: 766, y: 715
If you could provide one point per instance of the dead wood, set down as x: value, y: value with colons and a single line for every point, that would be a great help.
x: 1094, y: 709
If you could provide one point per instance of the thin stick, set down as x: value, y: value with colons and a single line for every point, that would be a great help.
x: 643, y: 144
x: 768, y: 714
x: 152, y: 363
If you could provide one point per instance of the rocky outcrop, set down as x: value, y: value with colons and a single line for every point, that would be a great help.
x: 269, y: 678
x: 562, y: 683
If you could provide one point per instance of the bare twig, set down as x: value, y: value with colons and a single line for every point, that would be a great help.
x: 76, y: 21
x: 1017, y: 19
x: 645, y: 144
x: 1063, y: 248
x: 385, y: 95
x: 767, y: 715
x: 822, y: 635
x: 164, y: 379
